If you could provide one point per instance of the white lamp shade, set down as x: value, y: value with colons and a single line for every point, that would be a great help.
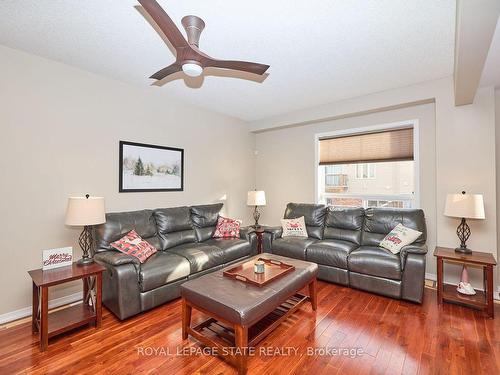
x: 256, y: 198
x: 83, y: 211
x: 468, y: 206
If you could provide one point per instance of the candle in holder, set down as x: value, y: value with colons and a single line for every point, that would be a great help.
x: 259, y: 266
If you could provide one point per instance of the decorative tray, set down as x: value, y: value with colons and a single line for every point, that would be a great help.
x: 273, y: 269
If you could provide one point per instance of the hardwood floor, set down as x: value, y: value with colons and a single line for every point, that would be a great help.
x: 394, y: 337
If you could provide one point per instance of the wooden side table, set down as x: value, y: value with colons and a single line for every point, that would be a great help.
x: 482, y: 300
x: 49, y: 325
x: 260, y: 234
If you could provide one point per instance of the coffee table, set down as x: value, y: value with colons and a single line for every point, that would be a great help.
x: 241, y: 314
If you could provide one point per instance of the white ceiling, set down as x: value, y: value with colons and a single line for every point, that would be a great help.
x: 319, y: 51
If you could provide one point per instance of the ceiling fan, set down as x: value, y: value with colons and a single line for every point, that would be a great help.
x: 189, y: 58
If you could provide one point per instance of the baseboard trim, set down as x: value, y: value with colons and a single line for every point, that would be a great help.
x: 26, y: 311
x: 431, y: 276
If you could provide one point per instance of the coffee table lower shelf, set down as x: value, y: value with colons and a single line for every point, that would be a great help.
x: 217, y: 330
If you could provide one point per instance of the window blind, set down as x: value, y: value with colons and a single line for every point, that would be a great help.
x: 389, y: 145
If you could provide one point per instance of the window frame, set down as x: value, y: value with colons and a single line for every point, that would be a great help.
x: 412, y: 123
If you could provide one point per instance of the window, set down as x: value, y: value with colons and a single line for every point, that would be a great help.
x: 335, y: 176
x: 367, y: 170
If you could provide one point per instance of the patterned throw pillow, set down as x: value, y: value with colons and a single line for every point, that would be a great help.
x: 294, y: 227
x: 133, y: 244
x: 227, y: 228
x: 399, y: 237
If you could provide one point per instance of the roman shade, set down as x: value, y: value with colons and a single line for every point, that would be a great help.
x: 389, y: 145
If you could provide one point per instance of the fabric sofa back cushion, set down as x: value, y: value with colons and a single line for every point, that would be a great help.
x: 344, y: 224
x: 380, y: 221
x: 314, y: 215
x: 204, y: 219
x: 174, y: 226
x: 118, y: 224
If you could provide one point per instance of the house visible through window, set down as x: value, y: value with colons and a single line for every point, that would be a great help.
x: 365, y: 170
x: 368, y: 170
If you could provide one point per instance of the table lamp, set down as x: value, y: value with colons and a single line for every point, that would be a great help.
x: 85, y: 211
x: 464, y: 206
x: 256, y: 198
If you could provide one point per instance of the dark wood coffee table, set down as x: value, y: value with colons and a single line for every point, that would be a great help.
x: 239, y: 314
x: 49, y: 325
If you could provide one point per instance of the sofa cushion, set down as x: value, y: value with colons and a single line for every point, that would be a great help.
x: 292, y: 247
x: 118, y: 224
x: 344, y: 223
x: 398, y: 238
x: 204, y: 218
x: 314, y: 216
x: 330, y: 252
x: 162, y: 268
x: 375, y: 261
x: 233, y: 248
x: 294, y: 227
x: 380, y: 221
x: 227, y: 228
x: 200, y: 256
x: 132, y: 244
x: 174, y: 226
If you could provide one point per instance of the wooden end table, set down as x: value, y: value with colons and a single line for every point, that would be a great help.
x: 49, y: 325
x: 259, y: 231
x: 482, y: 300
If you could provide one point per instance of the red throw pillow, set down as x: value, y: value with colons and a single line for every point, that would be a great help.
x: 133, y: 244
x: 227, y: 228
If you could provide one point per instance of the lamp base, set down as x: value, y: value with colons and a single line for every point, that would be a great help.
x: 85, y: 261
x: 256, y: 217
x: 463, y: 233
x: 463, y: 250
x: 86, y: 242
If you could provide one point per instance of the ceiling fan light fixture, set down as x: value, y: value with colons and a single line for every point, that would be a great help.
x: 192, y: 70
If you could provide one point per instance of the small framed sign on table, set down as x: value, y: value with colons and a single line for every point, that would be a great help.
x: 54, y: 258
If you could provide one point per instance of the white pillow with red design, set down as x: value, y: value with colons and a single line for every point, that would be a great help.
x: 133, y: 244
x: 399, y: 237
x: 227, y: 228
x: 294, y: 227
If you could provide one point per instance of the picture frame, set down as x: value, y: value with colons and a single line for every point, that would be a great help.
x: 149, y: 168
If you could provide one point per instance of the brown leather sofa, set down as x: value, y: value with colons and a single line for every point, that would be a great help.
x: 344, y: 242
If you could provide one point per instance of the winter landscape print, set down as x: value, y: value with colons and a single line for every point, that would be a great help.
x: 150, y: 168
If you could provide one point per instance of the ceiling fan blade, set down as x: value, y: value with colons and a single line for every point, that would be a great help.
x: 243, y: 66
x: 165, y: 23
x: 171, y: 69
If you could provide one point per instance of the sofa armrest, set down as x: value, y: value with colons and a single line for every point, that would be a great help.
x: 414, y: 248
x: 245, y: 232
x: 275, y: 232
x: 413, y: 278
x: 115, y: 258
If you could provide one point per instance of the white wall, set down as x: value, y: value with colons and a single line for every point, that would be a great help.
x: 458, y: 155
x: 60, y: 129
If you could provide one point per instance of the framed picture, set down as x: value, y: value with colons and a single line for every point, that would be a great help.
x: 146, y: 167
